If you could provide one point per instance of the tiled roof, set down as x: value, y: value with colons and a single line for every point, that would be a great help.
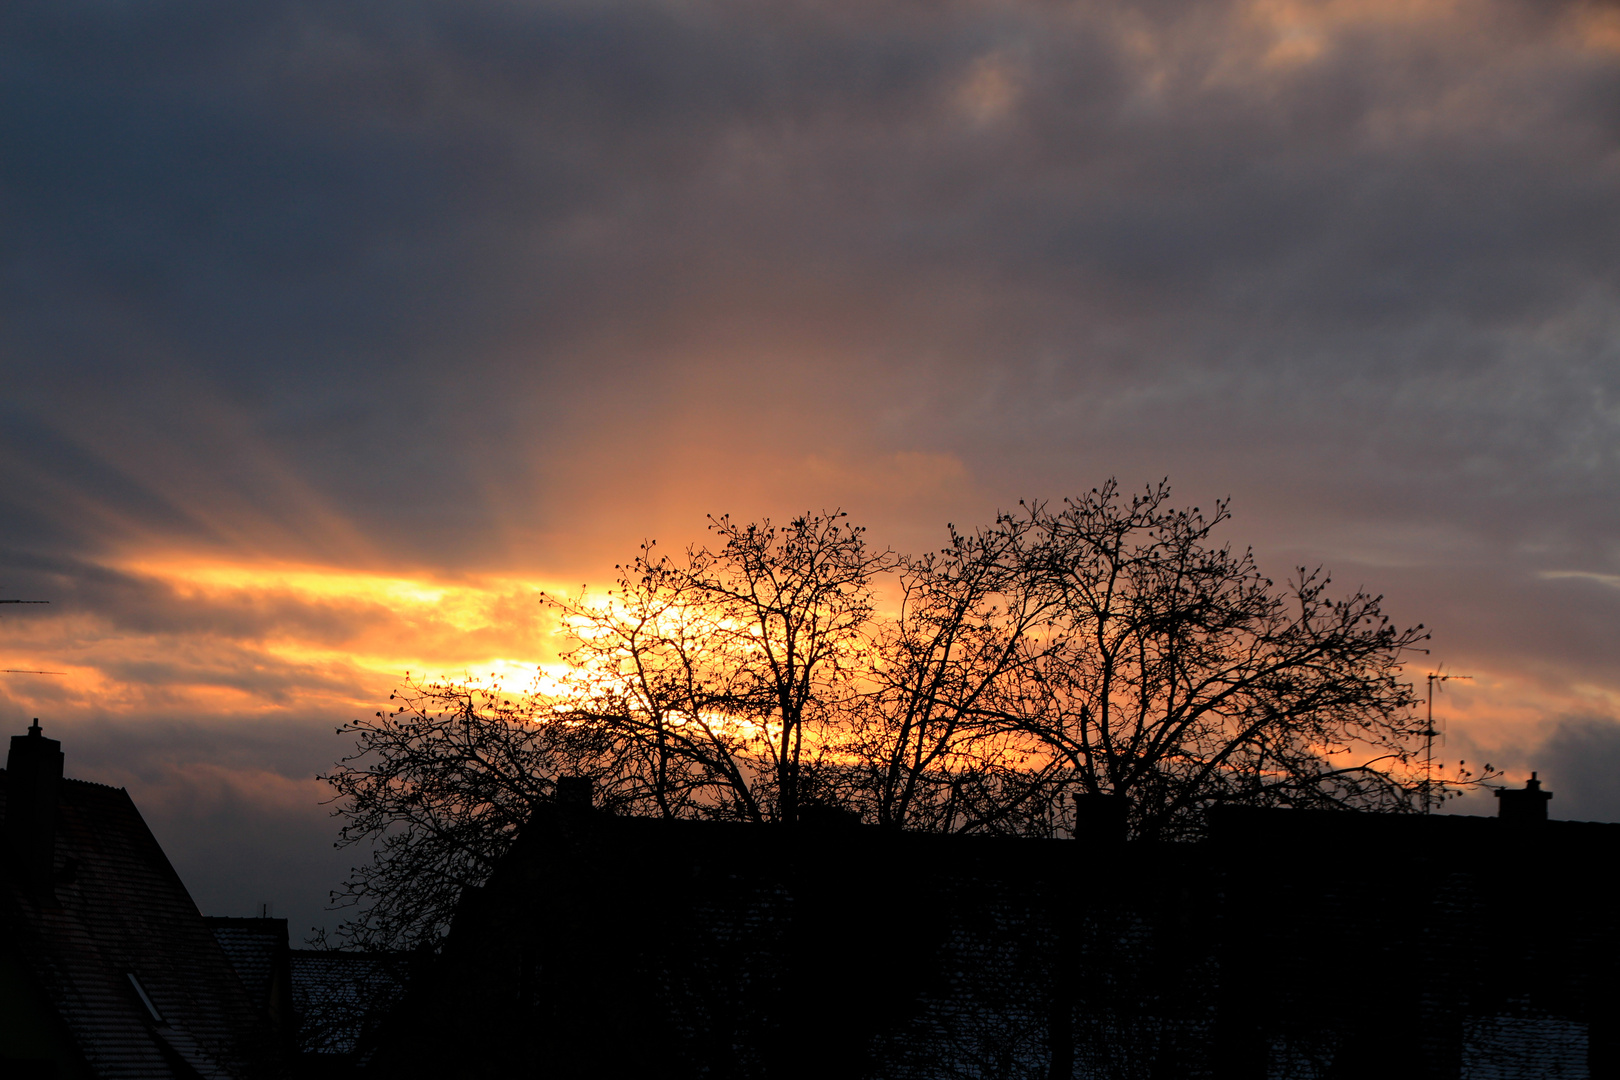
x: 1526, y: 1046
x: 340, y: 995
x: 119, y: 910
x: 251, y: 946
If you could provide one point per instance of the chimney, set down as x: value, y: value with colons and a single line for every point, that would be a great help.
x: 33, y: 778
x: 1526, y: 804
x: 1101, y: 819
x: 574, y: 791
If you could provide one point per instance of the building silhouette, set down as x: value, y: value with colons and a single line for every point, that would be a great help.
x: 1287, y: 944
x: 108, y: 971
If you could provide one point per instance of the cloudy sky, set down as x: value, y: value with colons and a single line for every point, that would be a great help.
x: 332, y: 332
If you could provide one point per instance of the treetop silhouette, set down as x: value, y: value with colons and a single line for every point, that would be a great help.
x: 1105, y: 647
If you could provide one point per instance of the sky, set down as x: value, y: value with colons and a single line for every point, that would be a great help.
x: 331, y: 334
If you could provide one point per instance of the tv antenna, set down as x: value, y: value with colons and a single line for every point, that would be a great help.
x: 23, y: 671
x: 1429, y: 734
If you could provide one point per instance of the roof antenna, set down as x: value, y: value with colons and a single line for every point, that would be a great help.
x: 1428, y: 738
x: 25, y: 671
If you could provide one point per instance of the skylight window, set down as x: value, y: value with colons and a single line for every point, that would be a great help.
x: 140, y: 992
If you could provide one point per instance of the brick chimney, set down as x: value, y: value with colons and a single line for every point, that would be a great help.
x: 575, y: 791
x: 1526, y: 804
x: 1101, y: 819
x: 33, y: 778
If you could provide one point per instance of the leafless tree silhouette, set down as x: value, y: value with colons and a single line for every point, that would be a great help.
x: 1106, y: 646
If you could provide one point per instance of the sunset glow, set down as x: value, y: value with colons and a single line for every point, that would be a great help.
x: 334, y: 339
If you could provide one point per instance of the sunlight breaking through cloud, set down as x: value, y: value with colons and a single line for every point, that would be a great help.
x: 332, y: 339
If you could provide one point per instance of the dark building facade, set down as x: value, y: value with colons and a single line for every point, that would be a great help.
x: 323, y: 1004
x: 106, y: 968
x: 1288, y: 944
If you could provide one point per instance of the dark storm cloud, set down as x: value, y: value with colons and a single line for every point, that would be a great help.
x: 322, y: 224
x: 389, y: 258
x: 364, y: 281
x: 1585, y: 754
x: 362, y: 228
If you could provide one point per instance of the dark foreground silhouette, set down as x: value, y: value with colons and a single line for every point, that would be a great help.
x: 1290, y: 943
x: 1286, y: 944
x: 108, y: 971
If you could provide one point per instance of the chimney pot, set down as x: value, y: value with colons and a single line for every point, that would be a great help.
x: 575, y: 791
x: 1523, y: 805
x: 1102, y: 818
x: 33, y: 784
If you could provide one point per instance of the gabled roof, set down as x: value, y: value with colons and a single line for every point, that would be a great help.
x: 116, y: 947
x: 341, y: 996
x: 253, y: 947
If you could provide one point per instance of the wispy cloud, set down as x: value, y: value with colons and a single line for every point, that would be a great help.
x: 1611, y: 580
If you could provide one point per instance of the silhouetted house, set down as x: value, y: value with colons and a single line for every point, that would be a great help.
x: 258, y: 951
x: 1454, y: 946
x: 1289, y: 944
x: 341, y: 998
x: 322, y: 1004
x: 107, y: 969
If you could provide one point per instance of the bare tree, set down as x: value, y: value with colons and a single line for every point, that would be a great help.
x: 1185, y: 677
x: 651, y: 670
x: 437, y: 788
x: 733, y: 670
x: 1106, y: 646
x: 974, y: 619
x: 709, y: 687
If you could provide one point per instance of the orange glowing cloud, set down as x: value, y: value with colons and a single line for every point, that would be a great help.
x: 238, y: 638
